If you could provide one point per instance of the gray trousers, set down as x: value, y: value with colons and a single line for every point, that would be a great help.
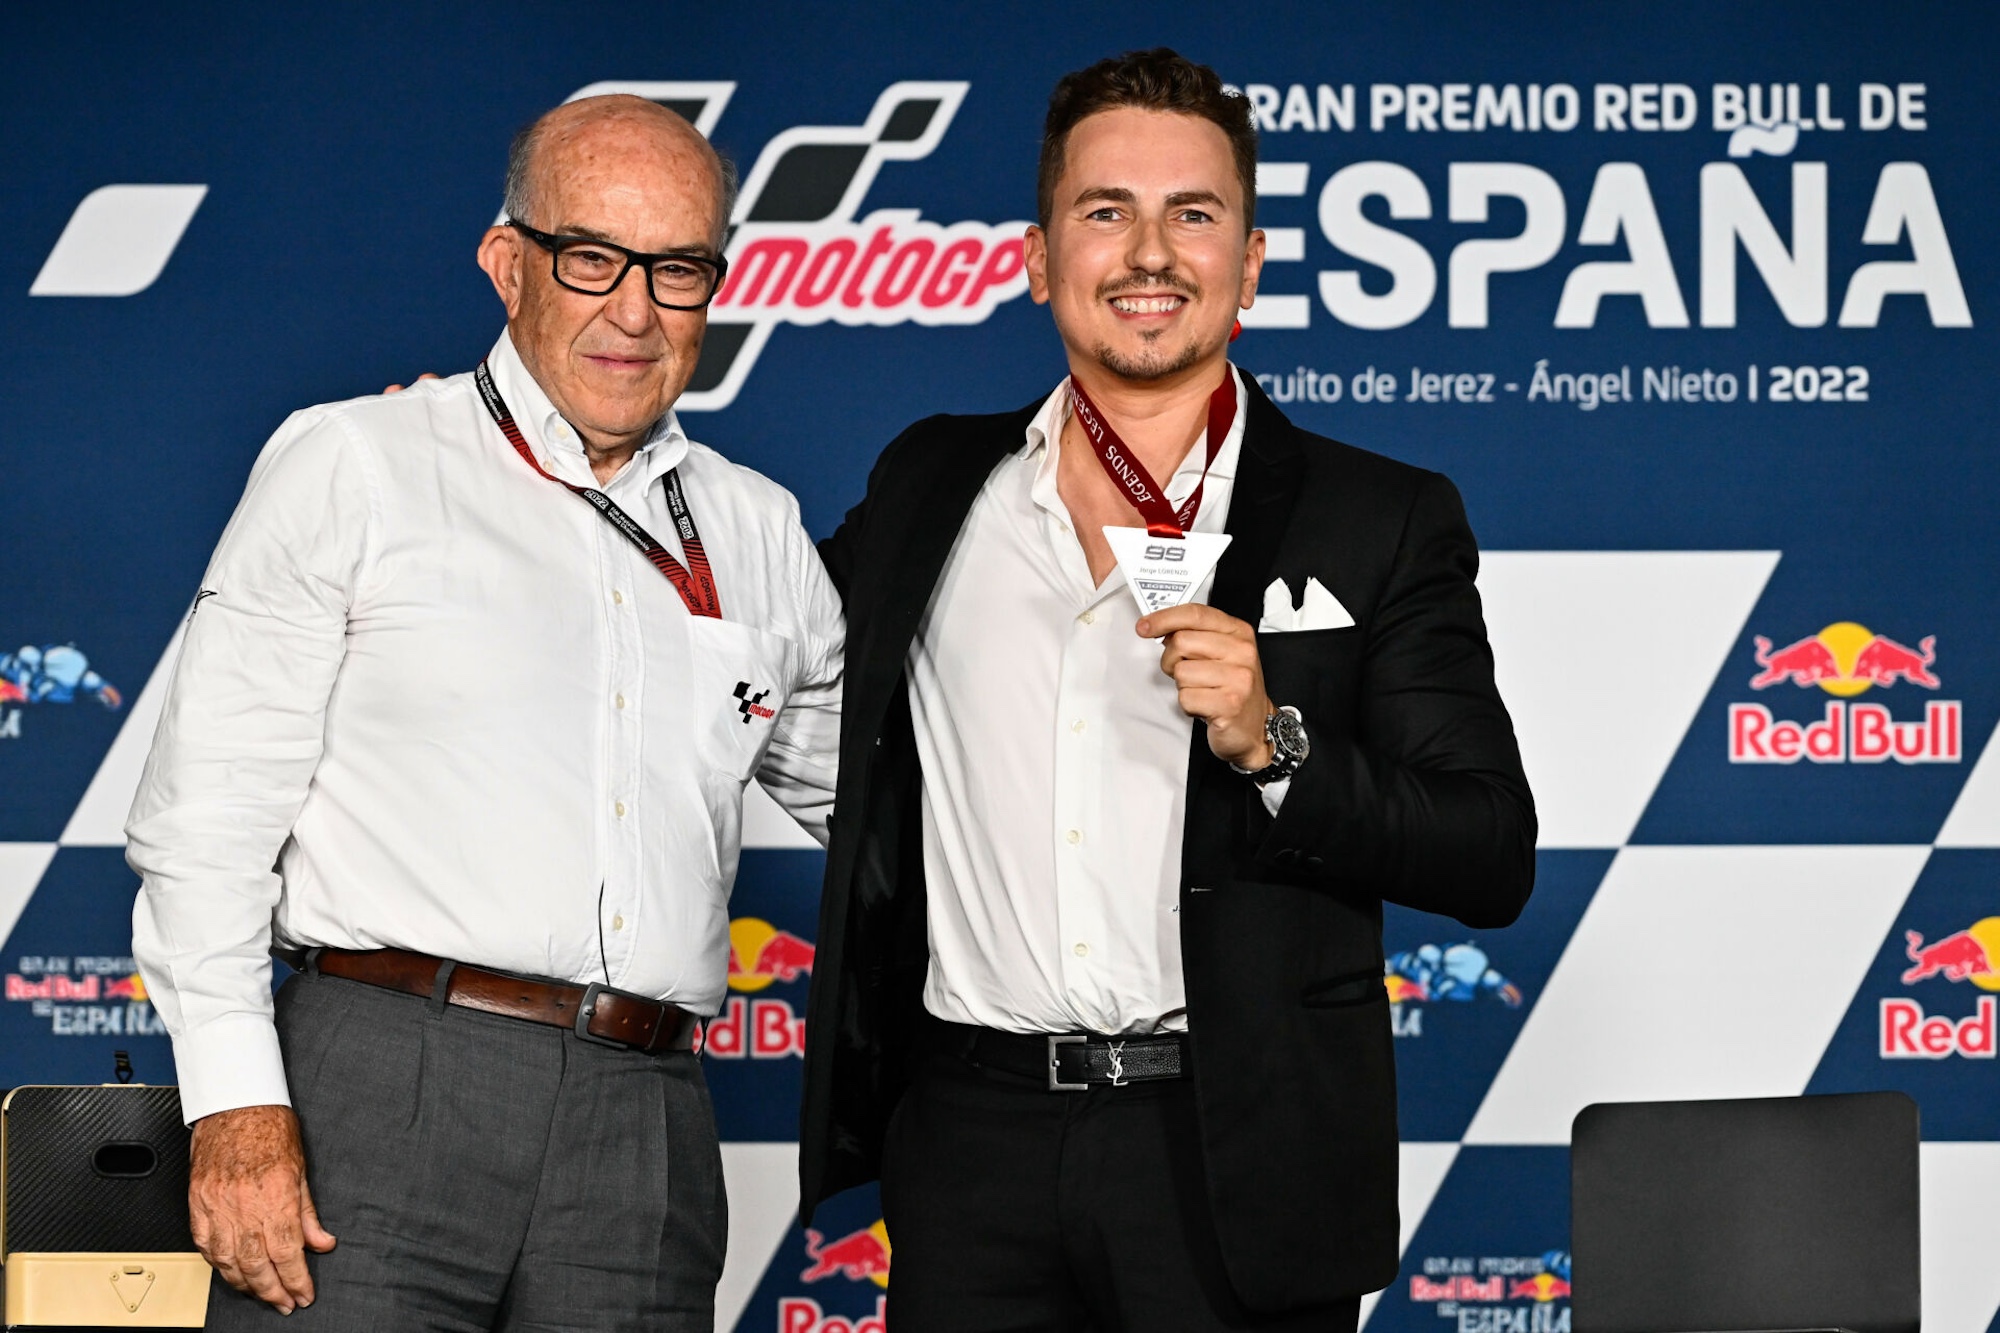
x: 489, y: 1173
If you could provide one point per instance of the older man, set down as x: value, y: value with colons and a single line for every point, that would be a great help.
x: 469, y: 697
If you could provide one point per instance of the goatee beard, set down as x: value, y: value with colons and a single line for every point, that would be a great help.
x: 1146, y: 368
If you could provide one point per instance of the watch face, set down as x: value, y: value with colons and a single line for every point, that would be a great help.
x: 1286, y: 732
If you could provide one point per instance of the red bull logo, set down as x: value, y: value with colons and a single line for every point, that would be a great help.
x: 859, y: 1256
x: 1543, y: 1287
x: 762, y: 1029
x: 1846, y: 660
x: 1908, y: 1033
x: 1481, y: 1294
x: 131, y: 987
x: 1972, y: 954
x: 85, y: 996
x: 802, y: 1314
x: 760, y: 953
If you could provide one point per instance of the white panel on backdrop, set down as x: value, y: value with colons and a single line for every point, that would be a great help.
x: 763, y: 1184
x: 1975, y: 819
x: 21, y: 867
x: 1961, y: 1281
x: 99, y: 820
x: 1604, y: 657
x: 1699, y: 972
x: 766, y: 825
x: 119, y: 240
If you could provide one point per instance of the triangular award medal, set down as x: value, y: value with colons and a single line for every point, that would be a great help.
x: 1164, y: 571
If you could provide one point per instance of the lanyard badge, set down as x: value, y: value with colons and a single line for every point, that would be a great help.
x: 1165, y: 561
x: 695, y: 581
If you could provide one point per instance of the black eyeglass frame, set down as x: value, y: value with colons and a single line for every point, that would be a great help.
x: 717, y: 264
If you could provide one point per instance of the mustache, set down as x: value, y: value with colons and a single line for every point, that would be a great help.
x: 1167, y: 280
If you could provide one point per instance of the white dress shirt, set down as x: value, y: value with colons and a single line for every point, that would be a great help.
x: 429, y: 700
x: 1055, y: 761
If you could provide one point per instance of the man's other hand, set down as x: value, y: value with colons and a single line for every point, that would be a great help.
x: 248, y: 1205
x: 397, y: 388
x: 1213, y: 658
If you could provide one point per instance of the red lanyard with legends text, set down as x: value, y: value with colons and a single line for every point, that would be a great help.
x: 1130, y: 475
x: 695, y: 582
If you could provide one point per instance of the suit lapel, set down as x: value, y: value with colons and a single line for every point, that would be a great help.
x: 1268, y: 474
x: 957, y: 466
x: 1260, y: 506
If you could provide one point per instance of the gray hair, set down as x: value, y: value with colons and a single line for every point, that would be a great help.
x: 517, y: 203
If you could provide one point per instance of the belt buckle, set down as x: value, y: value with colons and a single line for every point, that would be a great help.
x: 1055, y: 1078
x: 586, y: 1009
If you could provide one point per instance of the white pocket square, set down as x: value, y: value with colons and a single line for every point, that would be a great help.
x: 1320, y: 609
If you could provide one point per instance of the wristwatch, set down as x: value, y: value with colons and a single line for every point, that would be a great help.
x: 1285, y: 732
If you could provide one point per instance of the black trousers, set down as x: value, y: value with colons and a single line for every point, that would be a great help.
x: 1011, y: 1207
x: 484, y: 1173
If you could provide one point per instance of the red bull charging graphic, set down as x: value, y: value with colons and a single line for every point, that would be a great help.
x: 859, y: 1256
x: 1846, y: 660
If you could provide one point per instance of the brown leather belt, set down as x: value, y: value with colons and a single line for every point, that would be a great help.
x: 594, y: 1012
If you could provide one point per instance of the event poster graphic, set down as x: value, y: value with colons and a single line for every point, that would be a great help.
x: 1693, y: 305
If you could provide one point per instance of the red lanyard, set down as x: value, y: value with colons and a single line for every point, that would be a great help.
x: 697, y: 589
x: 1130, y: 475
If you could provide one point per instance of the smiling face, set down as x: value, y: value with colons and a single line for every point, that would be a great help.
x: 639, y: 176
x: 1147, y: 257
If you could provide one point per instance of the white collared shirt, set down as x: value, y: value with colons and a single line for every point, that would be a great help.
x: 1055, y: 763
x: 429, y: 700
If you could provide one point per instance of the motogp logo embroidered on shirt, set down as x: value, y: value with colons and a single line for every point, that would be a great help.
x: 751, y: 705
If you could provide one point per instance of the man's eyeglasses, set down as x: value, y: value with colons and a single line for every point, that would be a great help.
x: 676, y: 279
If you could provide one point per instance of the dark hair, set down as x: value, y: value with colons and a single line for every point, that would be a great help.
x: 1155, y: 80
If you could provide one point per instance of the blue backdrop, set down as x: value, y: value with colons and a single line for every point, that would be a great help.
x: 1693, y: 303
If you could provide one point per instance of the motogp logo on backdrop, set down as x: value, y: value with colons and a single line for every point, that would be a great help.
x: 798, y: 254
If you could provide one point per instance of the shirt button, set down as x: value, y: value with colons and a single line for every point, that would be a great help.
x: 617, y: 597
x: 1082, y: 950
x: 621, y: 700
x: 1073, y: 837
x: 618, y: 922
x: 1088, y: 617
x: 619, y: 806
x: 1076, y: 725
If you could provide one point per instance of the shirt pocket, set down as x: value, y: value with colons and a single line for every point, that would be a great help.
x: 742, y: 677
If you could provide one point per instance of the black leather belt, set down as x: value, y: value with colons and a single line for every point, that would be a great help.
x: 1070, y: 1062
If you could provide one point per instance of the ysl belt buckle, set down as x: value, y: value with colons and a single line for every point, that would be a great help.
x: 1117, y: 1049
x: 1056, y: 1084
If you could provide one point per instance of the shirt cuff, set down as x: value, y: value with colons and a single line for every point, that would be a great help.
x: 1273, y: 794
x: 227, y: 1063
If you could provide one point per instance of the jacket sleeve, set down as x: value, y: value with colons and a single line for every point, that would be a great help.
x: 1417, y: 796
x: 841, y: 552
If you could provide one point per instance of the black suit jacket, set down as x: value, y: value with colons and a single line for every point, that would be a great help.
x: 1413, y: 794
